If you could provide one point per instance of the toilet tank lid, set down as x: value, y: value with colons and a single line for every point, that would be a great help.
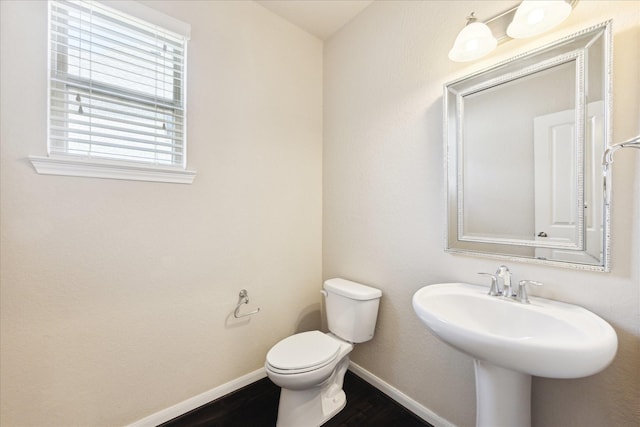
x: 352, y: 290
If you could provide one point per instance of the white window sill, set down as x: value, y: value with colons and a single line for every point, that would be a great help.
x: 70, y: 166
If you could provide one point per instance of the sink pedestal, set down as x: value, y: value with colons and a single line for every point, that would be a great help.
x: 503, y: 396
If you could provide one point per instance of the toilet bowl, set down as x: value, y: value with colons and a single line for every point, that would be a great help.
x: 305, y: 360
x: 310, y: 366
x: 313, y: 393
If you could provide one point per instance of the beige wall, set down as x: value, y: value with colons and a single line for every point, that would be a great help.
x: 116, y: 295
x: 383, y: 209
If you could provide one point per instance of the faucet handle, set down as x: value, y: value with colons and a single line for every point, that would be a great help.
x: 522, y: 295
x: 493, y: 290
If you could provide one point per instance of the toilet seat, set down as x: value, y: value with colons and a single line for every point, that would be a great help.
x: 303, y: 352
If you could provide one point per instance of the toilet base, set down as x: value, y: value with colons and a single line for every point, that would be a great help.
x: 315, y: 406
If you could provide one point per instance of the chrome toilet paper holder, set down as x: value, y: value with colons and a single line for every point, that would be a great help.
x: 243, y: 298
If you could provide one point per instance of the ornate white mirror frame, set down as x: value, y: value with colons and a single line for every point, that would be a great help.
x: 523, y: 144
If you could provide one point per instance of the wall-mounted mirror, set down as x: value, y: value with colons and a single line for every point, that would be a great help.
x: 523, y: 150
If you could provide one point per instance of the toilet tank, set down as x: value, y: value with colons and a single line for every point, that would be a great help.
x: 352, y: 309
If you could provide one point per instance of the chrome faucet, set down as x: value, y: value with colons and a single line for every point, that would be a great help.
x: 504, y: 273
x: 507, y: 290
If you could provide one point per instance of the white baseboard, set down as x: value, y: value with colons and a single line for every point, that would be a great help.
x: 199, y: 400
x: 224, y: 389
x: 404, y: 400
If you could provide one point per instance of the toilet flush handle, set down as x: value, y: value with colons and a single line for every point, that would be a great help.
x: 325, y: 293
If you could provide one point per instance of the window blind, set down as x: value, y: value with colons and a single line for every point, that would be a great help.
x: 117, y: 86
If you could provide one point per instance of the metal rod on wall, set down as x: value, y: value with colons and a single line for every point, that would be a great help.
x: 607, y: 160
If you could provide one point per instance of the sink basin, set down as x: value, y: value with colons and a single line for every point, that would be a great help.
x: 545, y: 338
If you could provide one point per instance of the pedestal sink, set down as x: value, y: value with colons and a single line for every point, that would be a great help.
x: 511, y: 341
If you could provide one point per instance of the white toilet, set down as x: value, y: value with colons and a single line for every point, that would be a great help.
x: 310, y: 366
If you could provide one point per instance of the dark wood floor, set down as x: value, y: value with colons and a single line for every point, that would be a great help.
x: 257, y: 405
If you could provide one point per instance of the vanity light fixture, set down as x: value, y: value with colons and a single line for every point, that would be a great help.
x: 474, y: 41
x: 534, y: 17
x: 530, y: 18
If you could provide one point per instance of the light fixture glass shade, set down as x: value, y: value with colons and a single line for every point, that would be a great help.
x: 537, y: 16
x: 475, y: 40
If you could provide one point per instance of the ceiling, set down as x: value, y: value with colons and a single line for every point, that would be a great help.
x: 322, y: 18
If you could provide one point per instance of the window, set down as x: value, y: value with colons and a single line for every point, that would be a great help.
x: 117, y: 92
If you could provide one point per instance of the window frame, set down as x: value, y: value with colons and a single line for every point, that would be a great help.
x: 67, y: 164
